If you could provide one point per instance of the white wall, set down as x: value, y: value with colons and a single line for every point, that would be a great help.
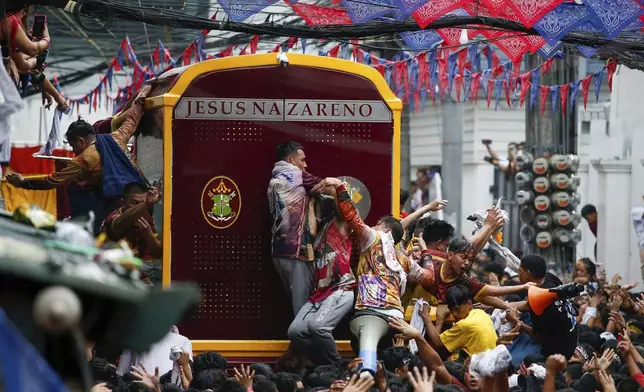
x: 479, y: 122
x: 31, y: 126
x: 611, y: 152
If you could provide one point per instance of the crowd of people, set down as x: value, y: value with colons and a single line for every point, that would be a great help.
x: 472, y: 327
x: 477, y: 330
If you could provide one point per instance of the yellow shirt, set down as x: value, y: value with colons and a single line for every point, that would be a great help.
x: 474, y: 334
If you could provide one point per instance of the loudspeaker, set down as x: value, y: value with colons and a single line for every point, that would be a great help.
x: 369, y: 330
x: 540, y: 299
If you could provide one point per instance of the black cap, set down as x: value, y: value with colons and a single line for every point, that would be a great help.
x: 535, y: 265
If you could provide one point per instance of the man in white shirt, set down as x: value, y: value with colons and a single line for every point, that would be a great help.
x: 158, y: 356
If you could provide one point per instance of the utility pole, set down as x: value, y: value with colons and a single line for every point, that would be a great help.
x: 452, y: 165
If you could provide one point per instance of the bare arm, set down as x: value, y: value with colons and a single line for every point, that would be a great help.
x: 414, y: 216
x: 494, y: 302
x: 493, y: 291
x: 22, y: 42
x: 364, y: 235
x: 493, y: 223
x: 128, y: 218
x: 23, y: 63
x: 432, y: 333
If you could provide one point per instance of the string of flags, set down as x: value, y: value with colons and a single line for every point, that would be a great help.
x: 434, y: 73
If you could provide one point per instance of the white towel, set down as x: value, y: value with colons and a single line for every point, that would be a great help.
x: 53, y: 141
x: 491, y: 362
x: 417, y: 322
x: 511, y: 261
x: 389, y: 250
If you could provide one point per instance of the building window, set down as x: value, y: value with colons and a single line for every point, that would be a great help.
x: 585, y: 127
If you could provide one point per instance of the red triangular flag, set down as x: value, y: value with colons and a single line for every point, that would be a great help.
x: 443, y: 81
x: 334, y: 51
x: 155, y: 56
x: 525, y: 86
x: 506, y: 88
x: 95, y: 99
x: 227, y: 52
x: 611, y: 66
x: 585, y: 87
x: 564, y: 88
x: 476, y: 85
x: 545, y: 67
x: 253, y: 44
x: 490, y: 87
x: 544, y: 91
x: 462, y: 59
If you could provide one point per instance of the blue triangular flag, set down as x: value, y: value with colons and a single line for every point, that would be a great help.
x: 554, y: 95
x: 574, y: 90
x: 467, y: 79
x: 484, y: 78
x: 475, y: 57
x: 597, y: 78
x: 451, y: 70
x: 534, y: 88
x: 303, y: 40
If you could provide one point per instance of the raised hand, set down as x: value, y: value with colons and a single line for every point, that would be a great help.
x: 508, y: 338
x: 422, y: 382
x: 153, y: 196
x: 151, y: 381
x: 606, y: 381
x: 406, y: 331
x: 102, y: 387
x: 245, y: 377
x: 359, y: 384
x: 556, y: 363
x: 436, y: 205
x: 605, y: 360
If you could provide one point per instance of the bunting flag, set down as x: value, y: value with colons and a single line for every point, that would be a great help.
x: 587, y: 51
x: 544, y: 92
x: 421, y: 40
x: 432, y: 10
x: 506, y: 89
x: 525, y: 86
x: 611, y: 66
x: 535, y: 42
x: 554, y: 98
x: 534, y: 90
x: 530, y: 11
x: 547, y: 50
x: 467, y: 80
x: 240, y: 10
x: 598, y: 76
x: 574, y: 90
x: 565, y: 88
x: 514, y: 47
x: 585, y: 88
x: 613, y: 16
x: 318, y: 15
x: 476, y: 85
x: 407, y: 7
x: 364, y: 11
x: 560, y: 21
x: 488, y: 91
